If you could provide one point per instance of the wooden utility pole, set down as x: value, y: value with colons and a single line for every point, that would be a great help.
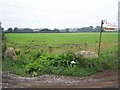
x: 102, y: 22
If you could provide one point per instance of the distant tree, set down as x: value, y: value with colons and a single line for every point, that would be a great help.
x: 56, y: 30
x: 1, y: 28
x: 67, y: 30
x: 9, y: 29
x: 16, y: 29
x: 97, y: 28
x: 91, y: 27
x: 28, y: 30
x: 45, y: 30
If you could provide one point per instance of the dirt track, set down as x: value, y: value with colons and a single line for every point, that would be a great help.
x: 100, y: 80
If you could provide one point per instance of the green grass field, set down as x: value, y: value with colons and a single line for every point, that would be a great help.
x: 62, y: 41
x: 42, y: 53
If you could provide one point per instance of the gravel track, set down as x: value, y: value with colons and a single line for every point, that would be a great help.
x: 107, y: 79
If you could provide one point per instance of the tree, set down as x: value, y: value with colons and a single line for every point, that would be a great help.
x: 56, y: 30
x: 1, y: 28
x: 9, y: 29
x: 16, y: 29
x: 91, y: 27
x: 97, y: 27
x: 67, y: 30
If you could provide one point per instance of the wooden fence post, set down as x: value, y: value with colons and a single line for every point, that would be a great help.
x: 102, y: 22
x: 85, y: 46
x: 50, y: 49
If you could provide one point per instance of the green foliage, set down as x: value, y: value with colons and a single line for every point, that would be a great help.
x: 38, y: 54
x: 32, y: 68
x: 59, y: 38
x: 17, y: 51
x: 60, y: 65
x: 16, y: 67
x: 34, y: 60
x: 64, y: 59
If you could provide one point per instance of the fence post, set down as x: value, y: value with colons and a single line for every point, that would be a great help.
x: 85, y: 46
x: 50, y: 49
x: 100, y: 37
x: 79, y: 47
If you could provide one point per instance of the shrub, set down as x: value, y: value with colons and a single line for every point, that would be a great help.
x: 17, y: 51
x: 38, y: 54
x: 33, y: 67
x: 44, y: 63
x: 65, y: 59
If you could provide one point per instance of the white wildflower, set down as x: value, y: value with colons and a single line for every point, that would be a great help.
x: 73, y: 62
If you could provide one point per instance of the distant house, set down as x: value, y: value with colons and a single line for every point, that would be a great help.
x: 37, y: 29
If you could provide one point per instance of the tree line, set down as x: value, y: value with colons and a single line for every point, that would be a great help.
x: 28, y: 30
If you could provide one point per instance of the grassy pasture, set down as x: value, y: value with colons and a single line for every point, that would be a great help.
x: 42, y: 53
x: 61, y: 41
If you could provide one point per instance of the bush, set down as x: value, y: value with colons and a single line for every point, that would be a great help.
x: 32, y: 68
x: 17, y: 51
x: 65, y: 59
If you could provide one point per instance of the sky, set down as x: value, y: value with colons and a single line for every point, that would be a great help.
x: 57, y: 13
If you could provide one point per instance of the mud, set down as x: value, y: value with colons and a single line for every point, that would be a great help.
x: 107, y: 79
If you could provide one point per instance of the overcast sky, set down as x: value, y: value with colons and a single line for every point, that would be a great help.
x: 57, y: 13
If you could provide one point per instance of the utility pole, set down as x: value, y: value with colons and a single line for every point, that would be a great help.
x: 102, y: 22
